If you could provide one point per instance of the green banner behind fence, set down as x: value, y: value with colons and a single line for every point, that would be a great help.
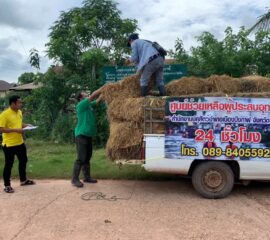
x: 116, y: 73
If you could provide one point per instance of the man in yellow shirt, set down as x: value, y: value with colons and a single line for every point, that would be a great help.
x: 11, y: 125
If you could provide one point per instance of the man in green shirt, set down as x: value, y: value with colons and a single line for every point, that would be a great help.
x: 84, y: 132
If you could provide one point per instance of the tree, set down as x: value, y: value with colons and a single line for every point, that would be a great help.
x: 179, y: 53
x: 236, y: 55
x: 96, y: 25
x: 81, y: 42
x: 26, y: 77
x: 238, y: 52
x: 207, y: 58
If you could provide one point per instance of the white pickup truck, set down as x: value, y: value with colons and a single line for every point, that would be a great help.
x: 214, y: 170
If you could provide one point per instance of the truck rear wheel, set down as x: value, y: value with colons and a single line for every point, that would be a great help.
x: 213, y: 179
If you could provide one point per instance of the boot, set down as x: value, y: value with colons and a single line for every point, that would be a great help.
x: 75, y: 176
x: 161, y: 89
x: 86, y: 174
x: 144, y: 91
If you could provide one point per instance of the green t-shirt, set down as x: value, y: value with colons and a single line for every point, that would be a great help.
x: 86, y: 122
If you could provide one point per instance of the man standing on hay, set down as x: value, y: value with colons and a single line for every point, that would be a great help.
x: 149, y: 62
x: 84, y: 131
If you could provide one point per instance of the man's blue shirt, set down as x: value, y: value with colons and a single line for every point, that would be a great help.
x: 142, y: 50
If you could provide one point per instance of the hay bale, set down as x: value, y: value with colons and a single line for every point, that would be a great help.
x: 154, y: 109
x: 255, y: 83
x: 132, y: 109
x: 187, y: 85
x: 159, y: 128
x: 128, y: 87
x: 109, y: 92
x: 133, y: 152
x: 224, y: 83
x: 131, y: 85
x: 125, y: 137
x: 124, y: 134
x: 248, y: 86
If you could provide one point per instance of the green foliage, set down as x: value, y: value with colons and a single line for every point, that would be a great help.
x: 96, y: 25
x: 34, y: 58
x: 47, y: 103
x: 235, y: 55
x: 207, y: 58
x: 52, y: 109
x: 82, y: 40
x: 262, y: 53
x: 29, y: 77
x: 102, y: 126
x: 180, y: 53
x: 3, y: 103
x: 26, y: 77
x: 63, y: 128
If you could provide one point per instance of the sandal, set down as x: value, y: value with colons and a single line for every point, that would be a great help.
x: 8, y: 189
x: 27, y: 182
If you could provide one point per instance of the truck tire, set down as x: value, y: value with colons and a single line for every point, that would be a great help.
x: 213, y: 179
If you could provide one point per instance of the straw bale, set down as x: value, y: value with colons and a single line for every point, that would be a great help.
x: 126, y: 88
x: 187, y: 85
x: 224, y: 83
x: 131, y: 85
x: 154, y: 102
x: 248, y: 85
x: 109, y: 92
x: 255, y: 83
x: 124, y: 141
x: 157, y: 128
x: 130, y: 109
x: 133, y: 152
x: 124, y: 134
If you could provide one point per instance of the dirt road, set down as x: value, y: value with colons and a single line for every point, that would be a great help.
x: 53, y: 209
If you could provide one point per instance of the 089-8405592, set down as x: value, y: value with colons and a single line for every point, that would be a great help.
x: 237, y: 152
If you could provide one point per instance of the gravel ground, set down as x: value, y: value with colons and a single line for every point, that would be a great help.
x: 53, y: 209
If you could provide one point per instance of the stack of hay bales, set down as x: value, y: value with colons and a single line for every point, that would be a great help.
x: 126, y: 108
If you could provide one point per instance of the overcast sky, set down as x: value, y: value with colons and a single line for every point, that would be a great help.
x: 25, y: 24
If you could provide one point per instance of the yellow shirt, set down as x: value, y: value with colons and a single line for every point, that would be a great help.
x: 11, y: 119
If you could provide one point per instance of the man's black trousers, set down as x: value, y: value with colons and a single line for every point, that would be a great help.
x: 10, y: 152
x: 84, y: 154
